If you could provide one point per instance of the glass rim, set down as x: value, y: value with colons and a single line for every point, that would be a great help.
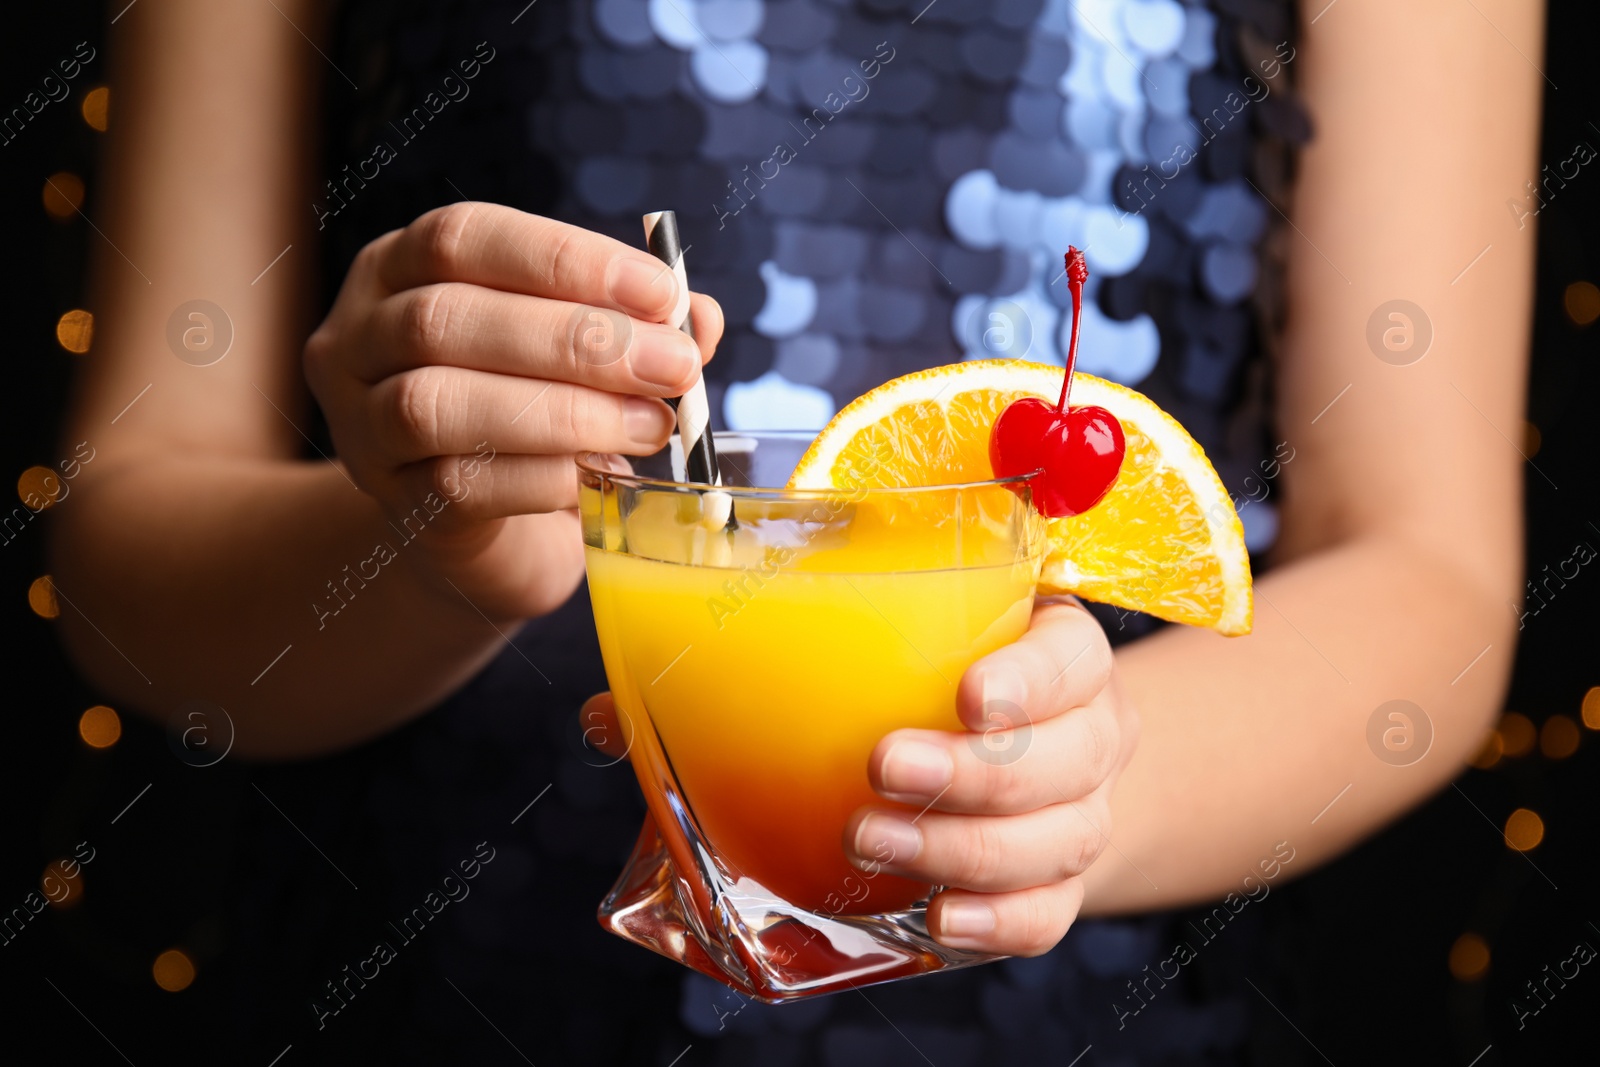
x: 640, y: 481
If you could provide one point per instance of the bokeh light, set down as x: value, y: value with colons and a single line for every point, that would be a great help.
x: 1517, y: 731
x: 1559, y: 737
x: 100, y: 727
x: 61, y: 891
x: 63, y: 194
x: 173, y: 970
x: 1469, y: 957
x: 1524, y: 830
x: 1591, y: 708
x: 42, y: 598
x: 1494, y: 747
x: 97, y: 108
x: 1531, y: 440
x: 75, y: 331
x: 1582, y: 302
x: 39, y: 487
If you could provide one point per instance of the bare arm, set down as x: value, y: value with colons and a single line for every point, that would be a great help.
x: 203, y: 558
x: 177, y: 556
x: 1401, y: 546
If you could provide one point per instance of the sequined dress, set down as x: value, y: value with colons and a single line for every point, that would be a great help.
x: 869, y: 188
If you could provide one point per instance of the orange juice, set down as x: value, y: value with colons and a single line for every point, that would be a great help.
x: 770, y: 662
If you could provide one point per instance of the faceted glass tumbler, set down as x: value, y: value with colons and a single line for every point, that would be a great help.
x: 759, y: 642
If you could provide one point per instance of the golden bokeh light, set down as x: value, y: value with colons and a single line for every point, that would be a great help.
x: 42, y: 598
x: 1591, y: 708
x: 100, y: 727
x: 1517, y: 732
x: 1524, y: 830
x: 39, y: 487
x: 75, y: 331
x: 1559, y: 737
x: 97, y: 108
x: 1494, y: 747
x: 63, y: 194
x: 173, y: 970
x: 54, y: 885
x: 1531, y: 440
x: 1469, y: 957
x: 1582, y: 301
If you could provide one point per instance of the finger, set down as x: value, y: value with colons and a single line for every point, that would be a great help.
x: 474, y: 327
x: 986, y: 853
x: 1003, y: 770
x: 1029, y: 922
x: 601, y: 725
x: 443, y: 411
x: 1061, y: 662
x: 479, y: 491
x: 706, y: 315
x: 503, y: 248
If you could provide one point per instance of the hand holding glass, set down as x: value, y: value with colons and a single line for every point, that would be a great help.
x: 756, y: 665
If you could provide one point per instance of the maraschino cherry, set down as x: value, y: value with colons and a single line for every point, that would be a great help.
x: 1077, y: 451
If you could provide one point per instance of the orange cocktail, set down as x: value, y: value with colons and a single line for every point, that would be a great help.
x: 758, y: 665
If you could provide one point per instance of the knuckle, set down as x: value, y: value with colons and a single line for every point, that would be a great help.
x: 562, y: 256
x: 1081, y: 849
x: 981, y: 855
x: 1081, y: 846
x: 572, y: 413
x: 414, y: 407
x: 1102, y: 659
x: 367, y: 260
x: 427, y: 319
x: 1003, y: 789
x: 444, y: 477
x: 442, y: 235
x: 1039, y: 926
x: 317, y: 355
x: 1105, y: 825
x: 1100, y: 744
x: 597, y: 419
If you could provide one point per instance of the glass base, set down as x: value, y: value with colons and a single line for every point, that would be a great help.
x: 753, y: 941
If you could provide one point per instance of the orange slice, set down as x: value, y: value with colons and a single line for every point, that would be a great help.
x: 1165, y: 540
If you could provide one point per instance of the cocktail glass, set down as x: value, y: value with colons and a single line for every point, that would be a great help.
x: 755, y: 663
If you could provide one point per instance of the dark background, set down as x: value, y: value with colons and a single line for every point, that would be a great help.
x: 1367, y: 942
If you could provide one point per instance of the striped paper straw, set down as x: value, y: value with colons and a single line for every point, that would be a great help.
x: 694, y: 412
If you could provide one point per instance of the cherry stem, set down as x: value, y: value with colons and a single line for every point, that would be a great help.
x: 1077, y: 274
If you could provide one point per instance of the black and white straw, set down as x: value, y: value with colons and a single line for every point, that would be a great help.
x: 694, y: 411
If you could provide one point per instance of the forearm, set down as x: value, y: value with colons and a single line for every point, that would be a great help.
x: 1253, y: 741
x: 275, y: 589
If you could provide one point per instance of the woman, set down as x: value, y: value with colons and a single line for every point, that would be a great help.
x: 481, y: 161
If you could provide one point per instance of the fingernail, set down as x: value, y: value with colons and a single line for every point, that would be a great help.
x: 663, y: 356
x: 648, y: 288
x: 966, y: 918
x: 916, y: 769
x: 1001, y: 688
x: 887, y: 839
x: 646, y: 422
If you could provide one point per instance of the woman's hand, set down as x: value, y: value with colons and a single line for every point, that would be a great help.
x: 467, y: 359
x: 1013, y: 812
